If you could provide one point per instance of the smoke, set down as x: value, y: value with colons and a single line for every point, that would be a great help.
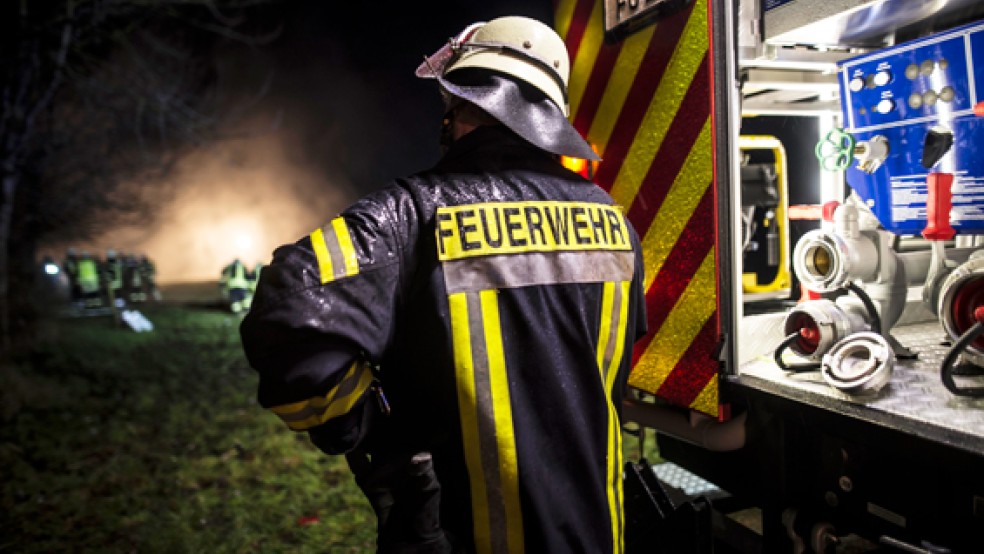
x: 344, y: 116
x: 233, y: 199
x: 333, y: 126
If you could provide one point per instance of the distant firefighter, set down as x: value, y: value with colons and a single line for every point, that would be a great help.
x: 88, y: 281
x: 148, y: 276
x: 112, y: 277
x: 235, y: 287
x: 70, y: 265
x: 134, y: 289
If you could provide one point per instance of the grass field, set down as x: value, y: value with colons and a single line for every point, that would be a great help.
x: 113, y: 441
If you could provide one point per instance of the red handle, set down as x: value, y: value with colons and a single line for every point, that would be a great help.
x: 938, y: 205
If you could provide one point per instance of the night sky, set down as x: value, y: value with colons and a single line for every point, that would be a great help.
x: 348, y: 73
x: 342, y: 116
x: 386, y: 66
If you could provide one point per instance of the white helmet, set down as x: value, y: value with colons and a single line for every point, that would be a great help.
x: 519, y: 46
x: 518, y: 49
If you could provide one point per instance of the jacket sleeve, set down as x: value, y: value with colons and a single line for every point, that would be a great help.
x: 324, y: 310
x: 637, y: 325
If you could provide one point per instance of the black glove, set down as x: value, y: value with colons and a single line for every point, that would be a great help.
x: 406, y: 496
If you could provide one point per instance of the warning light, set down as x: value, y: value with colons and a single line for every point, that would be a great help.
x: 582, y: 167
x: 577, y: 165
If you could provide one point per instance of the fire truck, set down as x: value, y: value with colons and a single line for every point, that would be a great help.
x: 807, y: 178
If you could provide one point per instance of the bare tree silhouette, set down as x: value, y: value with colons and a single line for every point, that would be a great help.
x: 99, y: 97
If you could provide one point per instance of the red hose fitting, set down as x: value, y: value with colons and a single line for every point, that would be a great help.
x: 812, y: 334
x: 979, y: 314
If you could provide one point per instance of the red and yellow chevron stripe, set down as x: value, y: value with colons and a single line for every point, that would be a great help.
x: 645, y: 104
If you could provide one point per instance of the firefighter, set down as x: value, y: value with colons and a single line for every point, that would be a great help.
x: 236, y: 290
x: 88, y: 281
x: 148, y: 277
x: 134, y: 289
x: 70, y: 265
x: 112, y: 278
x: 464, y: 334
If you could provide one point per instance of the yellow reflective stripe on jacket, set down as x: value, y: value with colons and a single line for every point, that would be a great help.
x: 505, y: 439
x: 337, y: 402
x: 517, y: 227
x: 486, y: 422
x: 333, y: 248
x: 611, y: 342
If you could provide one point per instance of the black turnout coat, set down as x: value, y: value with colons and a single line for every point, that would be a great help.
x: 495, y: 298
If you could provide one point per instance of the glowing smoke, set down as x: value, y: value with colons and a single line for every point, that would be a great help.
x: 239, y: 198
x: 351, y: 117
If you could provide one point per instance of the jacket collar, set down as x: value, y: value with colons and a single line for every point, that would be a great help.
x: 486, y: 138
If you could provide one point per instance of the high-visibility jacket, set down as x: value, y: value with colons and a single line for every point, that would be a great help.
x: 500, y: 295
x: 88, y: 275
x: 234, y: 276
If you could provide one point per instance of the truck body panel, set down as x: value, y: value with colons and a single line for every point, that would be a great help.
x: 659, y: 89
x: 645, y: 104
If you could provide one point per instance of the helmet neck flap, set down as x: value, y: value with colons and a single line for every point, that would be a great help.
x: 521, y: 108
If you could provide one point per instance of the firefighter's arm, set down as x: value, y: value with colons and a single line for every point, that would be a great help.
x: 323, y: 309
x: 636, y: 327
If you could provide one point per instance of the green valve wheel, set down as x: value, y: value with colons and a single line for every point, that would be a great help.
x: 836, y: 151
